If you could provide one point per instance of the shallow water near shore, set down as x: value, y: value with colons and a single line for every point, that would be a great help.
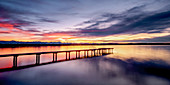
x: 128, y: 65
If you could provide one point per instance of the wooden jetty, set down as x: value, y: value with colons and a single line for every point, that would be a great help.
x: 93, y: 53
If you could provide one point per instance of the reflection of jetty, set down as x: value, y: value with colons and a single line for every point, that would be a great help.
x: 93, y: 53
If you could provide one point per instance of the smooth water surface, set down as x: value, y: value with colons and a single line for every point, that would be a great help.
x: 129, y: 65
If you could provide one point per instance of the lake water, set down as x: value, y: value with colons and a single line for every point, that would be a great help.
x: 128, y: 65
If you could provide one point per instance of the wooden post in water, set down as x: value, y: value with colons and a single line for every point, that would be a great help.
x: 91, y: 53
x: 94, y: 53
x: 76, y: 54
x: 99, y: 52
x: 15, y: 61
x: 37, y: 58
x: 79, y: 54
x: 87, y: 53
x: 69, y: 54
x: 102, y: 51
x: 84, y: 53
x: 66, y: 55
x: 55, y: 56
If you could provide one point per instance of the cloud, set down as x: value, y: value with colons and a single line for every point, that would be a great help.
x: 132, y: 21
x: 11, y: 15
x: 10, y: 27
x: 4, y: 32
x: 48, y: 20
x: 22, y: 16
x: 61, y: 33
x: 142, y: 24
x: 32, y: 30
x: 29, y: 13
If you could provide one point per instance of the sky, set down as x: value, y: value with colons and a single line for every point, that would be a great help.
x: 85, y: 21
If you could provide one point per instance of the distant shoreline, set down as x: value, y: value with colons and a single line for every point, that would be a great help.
x: 35, y: 45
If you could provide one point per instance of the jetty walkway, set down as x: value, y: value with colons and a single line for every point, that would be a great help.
x: 88, y: 53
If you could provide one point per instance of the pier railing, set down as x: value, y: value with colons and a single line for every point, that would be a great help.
x: 93, y: 53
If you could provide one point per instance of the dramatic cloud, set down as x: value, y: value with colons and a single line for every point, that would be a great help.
x: 133, y: 21
x: 86, y: 20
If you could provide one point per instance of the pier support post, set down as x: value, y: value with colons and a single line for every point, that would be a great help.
x: 79, y: 54
x: 84, y: 53
x: 55, y: 56
x: 94, y: 52
x: 102, y: 52
x: 66, y: 55
x: 15, y: 61
x: 76, y: 54
x: 69, y: 55
x: 37, y: 58
x: 112, y: 50
x: 97, y: 52
x: 87, y: 53
x: 91, y: 53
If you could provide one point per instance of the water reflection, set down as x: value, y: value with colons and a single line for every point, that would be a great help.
x: 142, y: 53
x: 129, y: 65
x: 94, y: 71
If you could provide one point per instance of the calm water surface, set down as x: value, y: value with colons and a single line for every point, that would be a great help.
x: 129, y: 65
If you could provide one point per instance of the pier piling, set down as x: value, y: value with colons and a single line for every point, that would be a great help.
x: 15, y: 61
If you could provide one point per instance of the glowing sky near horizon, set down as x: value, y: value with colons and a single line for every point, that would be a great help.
x: 79, y: 21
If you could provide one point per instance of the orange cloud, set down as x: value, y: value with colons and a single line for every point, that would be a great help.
x: 11, y: 28
x: 56, y: 34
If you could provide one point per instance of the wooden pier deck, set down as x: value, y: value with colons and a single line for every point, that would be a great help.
x: 93, y: 53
